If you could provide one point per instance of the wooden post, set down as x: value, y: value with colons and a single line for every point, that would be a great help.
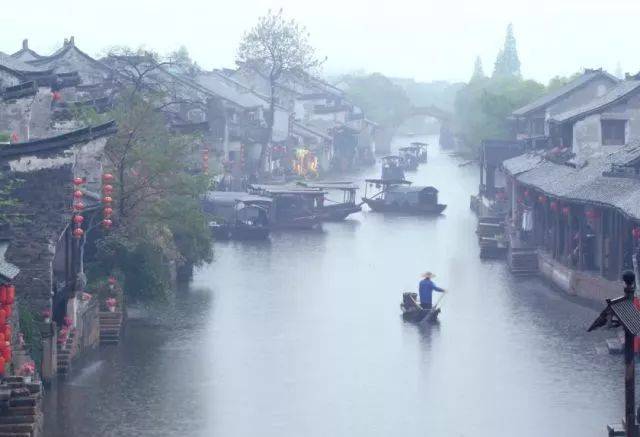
x: 631, y: 428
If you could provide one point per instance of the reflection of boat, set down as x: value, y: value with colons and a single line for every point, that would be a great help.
x: 293, y: 207
x: 410, y: 157
x: 392, y: 167
x: 399, y: 196
x: 333, y: 208
x: 235, y: 215
x: 423, y: 154
x: 413, y: 312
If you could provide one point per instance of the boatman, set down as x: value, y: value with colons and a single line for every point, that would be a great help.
x: 426, y: 289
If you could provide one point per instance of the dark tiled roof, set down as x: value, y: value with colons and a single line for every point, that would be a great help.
x: 19, y: 66
x: 627, y: 313
x: 576, y: 83
x: 618, y: 92
x: 582, y: 183
x: 59, y: 141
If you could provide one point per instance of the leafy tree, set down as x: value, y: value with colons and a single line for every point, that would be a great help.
x: 159, y: 217
x: 560, y: 81
x: 383, y: 101
x: 482, y: 108
x: 478, y: 71
x: 507, y: 62
x: 274, y: 47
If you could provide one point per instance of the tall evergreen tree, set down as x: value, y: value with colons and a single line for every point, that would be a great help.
x: 478, y: 71
x: 507, y: 63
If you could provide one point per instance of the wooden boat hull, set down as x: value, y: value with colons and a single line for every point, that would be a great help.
x: 298, y: 223
x: 227, y: 232
x: 335, y: 213
x: 378, y: 205
x: 420, y: 315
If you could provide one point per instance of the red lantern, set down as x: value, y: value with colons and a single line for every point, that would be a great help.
x: 2, y: 365
x: 8, y: 310
x: 107, y: 177
x: 3, y: 316
x: 107, y: 223
x: 7, y: 333
x: 108, y: 211
x: 3, y: 294
x: 635, y: 232
x: 56, y: 96
x: 565, y: 210
x: 78, y: 206
x: 78, y: 233
x: 553, y: 205
x: 78, y: 194
x: 6, y: 354
x: 542, y: 199
x: 107, y: 199
x: 14, y: 138
x: 526, y: 193
x: 78, y: 181
x: 2, y: 339
x: 107, y: 189
x: 78, y: 219
x: 11, y: 294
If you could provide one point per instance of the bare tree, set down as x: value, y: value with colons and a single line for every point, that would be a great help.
x: 273, y: 47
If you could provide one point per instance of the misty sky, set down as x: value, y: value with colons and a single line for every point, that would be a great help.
x: 426, y: 39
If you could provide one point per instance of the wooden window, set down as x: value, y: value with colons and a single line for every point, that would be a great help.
x: 613, y: 132
x: 538, y: 126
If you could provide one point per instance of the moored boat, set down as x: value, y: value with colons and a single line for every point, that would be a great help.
x: 339, y: 201
x: 400, y: 197
x: 410, y: 157
x: 237, y: 215
x: 293, y: 207
x: 423, y: 153
x: 392, y: 167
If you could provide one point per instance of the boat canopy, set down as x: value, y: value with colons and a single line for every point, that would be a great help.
x: 419, y: 144
x: 414, y: 189
x: 388, y: 181
x: 275, y: 190
x: 411, y: 148
x: 331, y: 185
x: 232, y: 197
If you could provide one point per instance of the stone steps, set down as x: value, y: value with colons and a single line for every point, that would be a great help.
x: 66, y: 352
x: 110, y: 327
x: 20, y: 414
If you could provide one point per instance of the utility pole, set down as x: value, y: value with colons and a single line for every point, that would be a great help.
x: 621, y: 312
x: 631, y: 428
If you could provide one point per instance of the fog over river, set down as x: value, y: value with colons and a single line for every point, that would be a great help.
x: 302, y: 336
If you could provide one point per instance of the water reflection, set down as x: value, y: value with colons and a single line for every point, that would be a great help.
x: 301, y: 335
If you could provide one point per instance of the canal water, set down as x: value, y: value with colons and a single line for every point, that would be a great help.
x: 302, y: 336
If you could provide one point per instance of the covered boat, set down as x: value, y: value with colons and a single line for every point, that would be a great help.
x: 423, y: 155
x: 293, y: 207
x: 392, y: 167
x: 413, y: 312
x: 410, y: 157
x: 400, y: 196
x: 339, y: 201
x: 237, y: 215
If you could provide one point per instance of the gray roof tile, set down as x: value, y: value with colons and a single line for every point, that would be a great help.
x: 618, y: 92
x: 549, y: 98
